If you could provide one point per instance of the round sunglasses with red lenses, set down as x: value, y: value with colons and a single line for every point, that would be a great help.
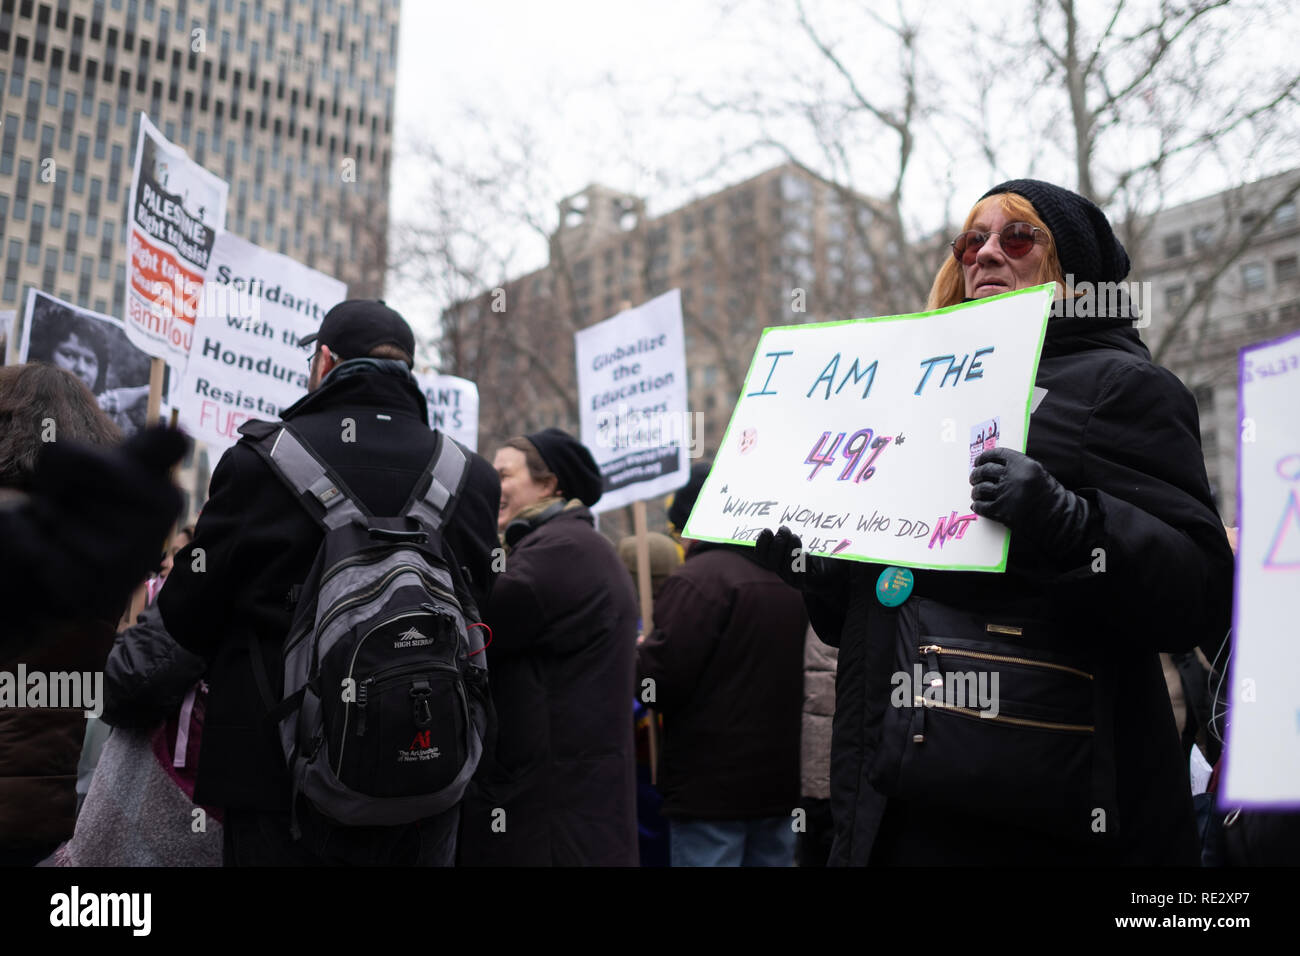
x: 1016, y: 239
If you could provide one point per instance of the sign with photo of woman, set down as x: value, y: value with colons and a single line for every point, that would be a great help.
x: 94, y: 348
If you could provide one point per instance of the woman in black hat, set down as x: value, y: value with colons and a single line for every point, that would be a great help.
x: 1116, y: 555
x: 558, y: 788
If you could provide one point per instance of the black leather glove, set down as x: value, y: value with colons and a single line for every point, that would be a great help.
x: 780, y: 551
x: 1012, y: 488
x: 104, y: 513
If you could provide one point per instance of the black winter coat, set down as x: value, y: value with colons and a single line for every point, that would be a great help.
x: 564, y: 620
x: 258, y: 541
x: 147, y: 674
x: 726, y: 658
x: 1124, y: 434
x: 40, y: 746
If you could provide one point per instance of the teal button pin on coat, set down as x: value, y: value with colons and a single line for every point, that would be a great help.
x: 893, y: 586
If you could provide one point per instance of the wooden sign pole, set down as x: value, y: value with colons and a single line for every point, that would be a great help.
x: 152, y: 412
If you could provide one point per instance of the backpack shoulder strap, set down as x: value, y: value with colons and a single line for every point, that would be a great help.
x: 306, y: 474
x: 435, y: 495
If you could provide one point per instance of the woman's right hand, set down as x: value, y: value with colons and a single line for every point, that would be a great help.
x: 782, y: 552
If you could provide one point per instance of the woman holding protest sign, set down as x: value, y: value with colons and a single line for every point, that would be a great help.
x: 1116, y: 554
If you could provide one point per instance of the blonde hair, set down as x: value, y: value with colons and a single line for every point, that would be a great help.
x: 949, y: 286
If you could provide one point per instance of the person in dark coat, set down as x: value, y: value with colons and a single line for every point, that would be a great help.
x: 1116, y: 554
x: 725, y: 660
x: 558, y: 788
x: 229, y: 594
x: 83, y: 518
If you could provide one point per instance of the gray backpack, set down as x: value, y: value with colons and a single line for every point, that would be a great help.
x: 384, y: 704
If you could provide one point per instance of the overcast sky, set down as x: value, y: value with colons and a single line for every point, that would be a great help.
x: 603, y: 88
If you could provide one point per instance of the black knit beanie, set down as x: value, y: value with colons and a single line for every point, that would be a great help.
x: 1085, y: 243
x: 685, y: 496
x: 571, y: 462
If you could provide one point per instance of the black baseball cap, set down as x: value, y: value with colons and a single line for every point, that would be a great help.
x: 352, y: 328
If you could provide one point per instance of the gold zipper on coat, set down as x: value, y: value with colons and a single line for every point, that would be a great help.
x: 977, y: 655
x: 1019, y: 721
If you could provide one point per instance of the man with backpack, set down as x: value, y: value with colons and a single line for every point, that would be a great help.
x: 333, y: 584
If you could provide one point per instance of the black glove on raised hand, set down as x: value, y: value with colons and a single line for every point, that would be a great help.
x: 1012, y: 488
x: 783, y: 553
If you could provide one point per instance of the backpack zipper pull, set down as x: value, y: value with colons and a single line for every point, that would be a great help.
x: 420, y: 693
x: 363, y: 693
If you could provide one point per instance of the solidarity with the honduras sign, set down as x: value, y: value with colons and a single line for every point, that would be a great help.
x: 246, y: 361
x: 860, y: 435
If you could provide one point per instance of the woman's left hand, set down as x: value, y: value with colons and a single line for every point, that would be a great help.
x: 1014, y: 489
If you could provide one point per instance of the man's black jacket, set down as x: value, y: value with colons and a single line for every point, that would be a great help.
x: 726, y: 656
x: 257, y: 541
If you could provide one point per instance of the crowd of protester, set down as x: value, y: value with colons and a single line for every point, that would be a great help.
x: 750, y: 725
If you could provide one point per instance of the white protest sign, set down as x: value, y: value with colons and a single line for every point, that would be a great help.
x: 632, y: 400
x: 176, y: 210
x: 453, y: 406
x: 1263, y: 746
x: 246, y: 361
x: 860, y: 435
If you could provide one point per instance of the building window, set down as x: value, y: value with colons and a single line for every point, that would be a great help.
x: 67, y: 123
x: 1290, y: 312
x: 51, y: 267
x: 10, y: 144
x: 79, y: 166
x: 1286, y: 268
x: 35, y: 233
x: 21, y: 189
x: 106, y: 251
x: 1175, y: 296
x: 1285, y: 216
x: 1173, y: 245
x: 11, y: 270
x: 1210, y: 444
x: 1254, y: 277
x: 83, y: 280
x: 56, y: 208
x: 1203, y: 236
x: 32, y: 111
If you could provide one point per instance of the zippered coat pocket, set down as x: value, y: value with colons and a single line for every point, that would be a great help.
x: 996, y: 717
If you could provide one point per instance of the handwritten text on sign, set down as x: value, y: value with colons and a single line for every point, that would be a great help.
x: 860, y: 435
x: 1263, y: 763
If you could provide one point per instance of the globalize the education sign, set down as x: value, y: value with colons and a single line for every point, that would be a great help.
x: 860, y: 435
x: 632, y: 394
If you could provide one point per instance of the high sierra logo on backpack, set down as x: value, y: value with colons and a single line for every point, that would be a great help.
x: 384, y: 705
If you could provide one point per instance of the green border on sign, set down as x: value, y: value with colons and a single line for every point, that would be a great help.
x: 1001, y: 566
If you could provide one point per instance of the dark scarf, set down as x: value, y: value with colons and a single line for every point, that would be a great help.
x: 348, y: 373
